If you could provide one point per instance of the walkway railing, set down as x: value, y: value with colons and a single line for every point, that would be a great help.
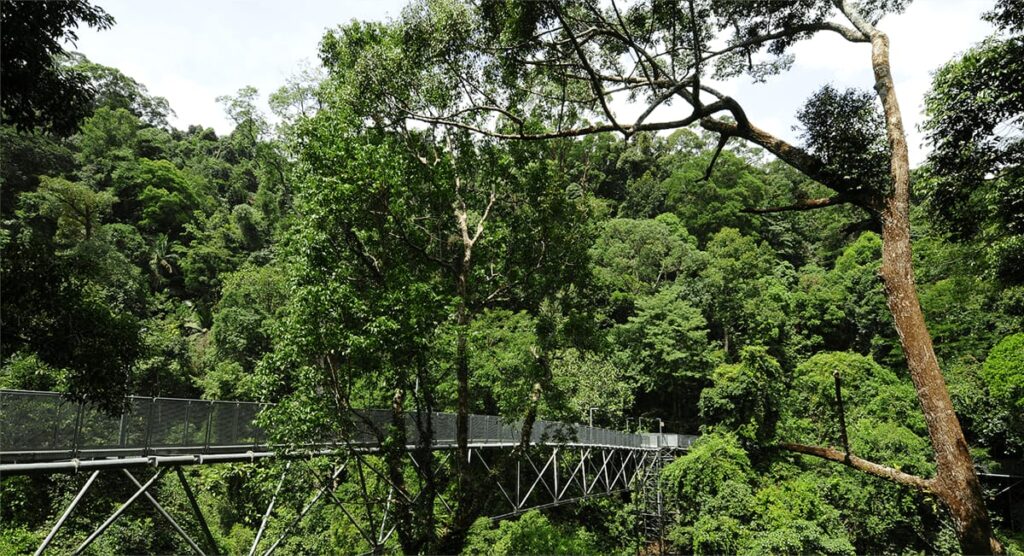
x: 44, y: 426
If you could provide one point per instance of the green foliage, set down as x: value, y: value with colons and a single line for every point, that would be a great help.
x: 25, y: 159
x: 165, y: 195
x: 250, y: 305
x: 706, y: 206
x: 38, y: 92
x: 108, y: 134
x: 636, y: 256
x: 975, y: 178
x: 589, y: 380
x: 321, y: 263
x: 26, y: 372
x: 18, y: 540
x: 846, y: 131
x: 715, y: 464
x: 531, y: 533
x: 77, y: 208
x: 504, y: 367
x: 114, y: 90
x: 744, y: 293
x: 868, y: 390
x: 1004, y: 370
x: 745, y: 397
x: 666, y: 341
x: 869, y: 325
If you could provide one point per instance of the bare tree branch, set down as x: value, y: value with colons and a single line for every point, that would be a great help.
x: 852, y: 35
x: 661, y: 100
x: 871, y: 468
x: 595, y: 81
x: 807, y: 204
x: 572, y: 132
x: 483, y: 219
x: 796, y: 157
x: 722, y: 140
x: 850, y: 11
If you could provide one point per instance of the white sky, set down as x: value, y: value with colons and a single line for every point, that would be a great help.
x: 191, y: 51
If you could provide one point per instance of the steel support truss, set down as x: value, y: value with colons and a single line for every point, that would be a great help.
x: 547, y: 478
x: 540, y: 477
x: 649, y: 503
x: 142, y: 491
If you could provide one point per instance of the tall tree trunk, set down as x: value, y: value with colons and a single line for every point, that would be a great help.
x: 462, y: 368
x: 394, y: 459
x: 956, y: 482
x: 526, y: 433
x: 466, y: 508
x: 424, y: 520
x: 462, y: 318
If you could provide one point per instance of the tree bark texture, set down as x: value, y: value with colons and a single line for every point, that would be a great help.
x: 955, y: 482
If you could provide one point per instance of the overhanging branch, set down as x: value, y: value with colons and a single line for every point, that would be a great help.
x: 808, y: 204
x: 871, y: 468
x: 808, y: 164
x: 852, y: 35
x: 705, y: 112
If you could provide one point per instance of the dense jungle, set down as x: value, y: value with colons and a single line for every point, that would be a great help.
x: 445, y: 215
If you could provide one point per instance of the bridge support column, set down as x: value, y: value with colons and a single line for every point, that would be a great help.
x: 212, y: 544
x: 174, y: 524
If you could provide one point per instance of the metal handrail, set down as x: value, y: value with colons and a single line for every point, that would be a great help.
x: 160, y: 426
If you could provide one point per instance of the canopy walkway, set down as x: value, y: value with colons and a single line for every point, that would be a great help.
x: 42, y: 432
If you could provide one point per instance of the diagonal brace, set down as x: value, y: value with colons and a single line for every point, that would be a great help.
x: 113, y: 517
x: 167, y: 516
x: 195, y: 509
x: 67, y: 513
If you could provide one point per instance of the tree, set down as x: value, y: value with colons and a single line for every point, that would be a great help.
x: 77, y: 208
x: 975, y: 174
x: 532, y: 533
x: 25, y: 158
x: 665, y: 349
x: 745, y: 397
x: 748, y: 297
x: 70, y: 297
x: 429, y: 229
x: 38, y: 91
x: 1004, y: 371
x: 409, y: 240
x: 634, y: 258
x: 517, y: 56
x: 113, y: 89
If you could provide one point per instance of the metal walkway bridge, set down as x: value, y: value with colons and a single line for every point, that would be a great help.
x: 42, y: 432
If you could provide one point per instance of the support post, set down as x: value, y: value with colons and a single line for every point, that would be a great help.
x: 78, y: 430
x: 195, y: 508
x: 110, y: 520
x: 67, y: 513
x: 555, y: 457
x: 184, y: 432
x: 149, y: 424
x: 519, y: 472
x: 209, y: 425
x: 122, y: 438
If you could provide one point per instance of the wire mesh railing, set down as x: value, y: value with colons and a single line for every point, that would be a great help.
x: 45, y: 426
